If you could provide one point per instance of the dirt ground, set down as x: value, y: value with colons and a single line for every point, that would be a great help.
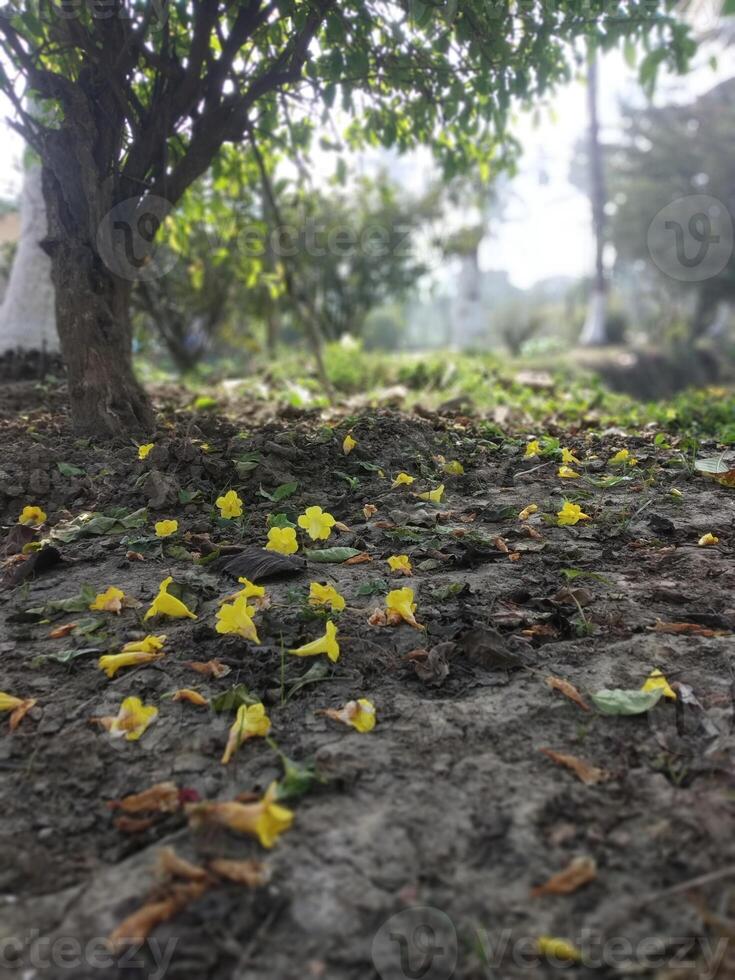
x: 448, y: 806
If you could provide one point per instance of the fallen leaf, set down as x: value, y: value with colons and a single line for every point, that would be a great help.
x: 691, y: 629
x: 580, y: 871
x: 358, y: 559
x: 568, y: 690
x: 20, y: 712
x: 60, y: 631
x: 621, y: 702
x: 209, y: 668
x: 588, y: 774
x: 258, y: 564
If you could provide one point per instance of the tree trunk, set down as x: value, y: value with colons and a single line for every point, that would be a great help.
x: 27, y: 321
x: 594, y: 331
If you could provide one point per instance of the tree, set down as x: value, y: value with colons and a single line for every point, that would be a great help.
x: 139, y: 97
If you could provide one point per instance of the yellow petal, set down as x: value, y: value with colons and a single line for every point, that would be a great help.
x: 567, y: 473
x: 189, y: 694
x: 326, y: 595
x: 32, y: 515
x: 283, y: 540
x: 403, y: 479
x: 434, y: 496
x: 110, y: 600
x: 324, y: 644
x: 165, y: 529
x: 144, y: 450
x: 112, y: 662
x: 656, y: 681
x: 251, y: 721
x: 708, y: 539
x: 558, y: 949
x: 348, y: 444
x: 527, y: 511
x: 168, y: 605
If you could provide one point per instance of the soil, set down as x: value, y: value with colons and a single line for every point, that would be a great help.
x: 448, y: 805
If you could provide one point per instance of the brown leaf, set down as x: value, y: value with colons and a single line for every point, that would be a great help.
x: 588, y: 774
x: 65, y: 630
x: 358, y: 559
x: 210, y: 668
x: 580, y: 871
x: 691, y: 629
x: 250, y: 873
x: 568, y: 690
x: 159, y: 798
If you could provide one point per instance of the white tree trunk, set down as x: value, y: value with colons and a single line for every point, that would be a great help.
x: 27, y: 317
x: 594, y: 331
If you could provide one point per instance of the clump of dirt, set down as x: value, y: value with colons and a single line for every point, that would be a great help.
x: 449, y: 804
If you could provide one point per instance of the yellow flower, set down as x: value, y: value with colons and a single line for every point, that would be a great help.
x: 251, y: 721
x: 533, y: 448
x: 453, y: 468
x: 401, y: 479
x: 527, y: 511
x: 109, y: 601
x: 623, y: 457
x: 131, y: 720
x: 325, y: 644
x: 149, y: 644
x: 348, y: 444
x: 434, y: 496
x: 229, y: 505
x: 400, y: 563
x: 567, y: 473
x: 144, y: 450
x: 283, y: 540
x: 317, y: 523
x: 264, y: 819
x: 18, y: 706
x: 250, y: 590
x: 326, y: 595
x: 400, y: 603
x: 708, y: 539
x: 166, y: 528
x: 8, y: 702
x: 567, y: 456
x: 656, y: 681
x: 168, y: 605
x: 570, y: 514
x: 32, y: 515
x: 558, y: 949
x: 189, y: 694
x: 112, y: 662
x: 360, y: 714
x: 236, y: 618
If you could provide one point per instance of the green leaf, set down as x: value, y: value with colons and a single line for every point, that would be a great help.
x: 331, y: 555
x: 353, y: 481
x: 232, y: 699
x: 188, y: 496
x: 280, y: 493
x: 373, y: 587
x: 68, y: 469
x: 621, y: 702
x: 68, y: 656
x: 319, y: 671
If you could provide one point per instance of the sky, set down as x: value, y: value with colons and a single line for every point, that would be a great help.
x: 546, y: 231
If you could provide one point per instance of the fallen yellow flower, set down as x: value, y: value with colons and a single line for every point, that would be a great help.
x: 453, y: 468
x: 360, y: 714
x: 623, y: 457
x: 527, y: 511
x: 433, y: 496
x: 168, y: 605
x: 567, y: 473
x: 567, y: 456
x: 251, y: 722
x: 708, y: 539
x: 110, y: 600
x: 558, y: 949
x: 144, y: 450
x: 189, y: 694
x: 264, y: 819
x: 165, y: 529
x: 32, y: 515
x: 317, y: 523
x: 403, y: 479
x: 131, y: 720
x: 229, y: 505
x: 283, y: 540
x: 18, y: 706
x: 533, y: 448
x: 348, y: 444
x: 656, y: 681
x: 570, y: 514
x: 326, y: 595
x: 400, y: 563
x: 148, y: 644
x: 250, y: 590
x: 324, y: 644
x: 400, y: 603
x: 236, y: 617
x: 112, y: 662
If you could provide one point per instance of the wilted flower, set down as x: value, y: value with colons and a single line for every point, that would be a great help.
x: 567, y: 456
x: 360, y: 714
x: 348, y: 444
x: 533, y: 448
x: 189, y: 694
x: 403, y: 479
x: 110, y: 600
x: 527, y: 511
x: 18, y: 706
x: 144, y: 450
x: 317, y: 523
x: 168, y: 605
x: 236, y: 617
x: 570, y: 514
x: 400, y: 604
x: 149, y: 644
x: 112, y: 662
x: 165, y: 529
x: 264, y: 819
x: 708, y: 539
x: 251, y: 721
x: 324, y: 644
x: 400, y: 563
x: 32, y: 515
x: 623, y: 457
x: 283, y: 540
x: 433, y: 496
x: 326, y: 595
x: 656, y: 681
x: 131, y: 720
x: 229, y: 505
x: 453, y: 468
x: 567, y: 473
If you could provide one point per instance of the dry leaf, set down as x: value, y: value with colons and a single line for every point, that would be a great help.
x: 580, y: 871
x: 568, y: 690
x: 65, y: 630
x: 585, y: 772
x: 20, y: 712
x: 210, y: 668
x: 358, y: 559
x: 250, y: 873
x: 170, y: 865
x: 159, y: 798
x: 691, y: 629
